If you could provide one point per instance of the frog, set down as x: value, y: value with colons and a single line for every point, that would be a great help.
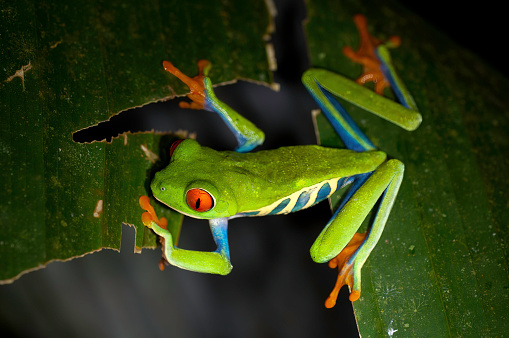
x: 221, y: 186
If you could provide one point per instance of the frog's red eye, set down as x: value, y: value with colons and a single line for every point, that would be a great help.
x: 174, y: 146
x: 199, y: 200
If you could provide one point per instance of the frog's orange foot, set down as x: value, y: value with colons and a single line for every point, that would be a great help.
x: 377, y: 78
x: 345, y: 274
x: 150, y: 215
x: 367, y: 57
x: 393, y: 42
x: 196, y: 84
x: 162, y: 263
x: 191, y: 105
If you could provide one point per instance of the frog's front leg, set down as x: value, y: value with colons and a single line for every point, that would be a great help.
x: 216, y: 262
x: 339, y: 243
x: 203, y: 97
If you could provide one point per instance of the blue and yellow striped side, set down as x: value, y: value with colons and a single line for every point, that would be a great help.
x: 298, y: 200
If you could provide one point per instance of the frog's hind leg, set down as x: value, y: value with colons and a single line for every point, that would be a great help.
x: 340, y: 120
x: 339, y: 243
x: 322, y: 85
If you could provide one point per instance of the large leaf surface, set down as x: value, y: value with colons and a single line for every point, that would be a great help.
x: 440, y: 268
x: 69, y: 65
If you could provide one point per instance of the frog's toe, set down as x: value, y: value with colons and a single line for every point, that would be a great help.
x: 147, y: 220
x: 149, y: 217
x: 349, y: 271
x: 163, y: 263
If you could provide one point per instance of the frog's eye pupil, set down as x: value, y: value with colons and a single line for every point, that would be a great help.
x: 174, y: 146
x: 199, y: 200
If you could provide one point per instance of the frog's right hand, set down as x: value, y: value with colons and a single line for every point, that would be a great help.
x: 149, y: 217
x: 195, y: 84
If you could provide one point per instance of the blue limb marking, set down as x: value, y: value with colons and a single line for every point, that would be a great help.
x: 397, y: 91
x: 219, y: 228
x: 248, y: 136
x: 390, y: 74
x: 348, y: 139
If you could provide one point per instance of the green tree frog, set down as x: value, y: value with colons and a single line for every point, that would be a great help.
x: 222, y: 185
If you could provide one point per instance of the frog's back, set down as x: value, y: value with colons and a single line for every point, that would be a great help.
x: 293, y: 178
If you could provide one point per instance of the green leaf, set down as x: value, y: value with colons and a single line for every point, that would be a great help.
x: 70, y: 65
x: 440, y: 268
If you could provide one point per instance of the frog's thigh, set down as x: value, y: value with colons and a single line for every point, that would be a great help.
x: 345, y: 222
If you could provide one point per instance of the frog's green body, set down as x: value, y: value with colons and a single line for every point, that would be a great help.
x: 248, y: 182
x: 203, y: 183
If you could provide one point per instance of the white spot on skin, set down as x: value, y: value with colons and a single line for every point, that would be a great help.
x: 152, y: 157
x: 21, y: 74
x: 98, y: 209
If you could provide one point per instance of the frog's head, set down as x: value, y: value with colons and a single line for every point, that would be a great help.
x: 194, y: 183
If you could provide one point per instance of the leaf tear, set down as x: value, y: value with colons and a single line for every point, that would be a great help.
x: 136, y: 249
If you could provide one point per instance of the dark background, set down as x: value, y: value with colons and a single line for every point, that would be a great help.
x: 274, y: 289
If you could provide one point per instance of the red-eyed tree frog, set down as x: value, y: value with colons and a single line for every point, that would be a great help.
x: 222, y: 185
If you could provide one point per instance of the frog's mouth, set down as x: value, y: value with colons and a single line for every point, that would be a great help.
x: 179, y: 211
x: 171, y: 207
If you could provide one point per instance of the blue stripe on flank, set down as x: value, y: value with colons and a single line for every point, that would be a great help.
x: 280, y: 207
x: 301, y: 201
x: 324, y: 191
